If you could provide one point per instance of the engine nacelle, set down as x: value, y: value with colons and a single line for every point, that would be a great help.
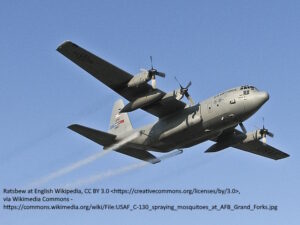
x: 142, y: 101
x: 253, y: 136
x: 139, y: 79
x: 236, y: 139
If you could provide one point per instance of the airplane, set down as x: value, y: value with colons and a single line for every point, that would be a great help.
x: 179, y: 125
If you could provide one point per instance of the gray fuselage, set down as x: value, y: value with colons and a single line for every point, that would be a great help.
x: 201, y: 122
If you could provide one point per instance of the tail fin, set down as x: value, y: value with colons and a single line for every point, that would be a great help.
x: 119, y: 122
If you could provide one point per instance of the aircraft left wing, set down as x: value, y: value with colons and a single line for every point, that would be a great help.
x: 117, y: 79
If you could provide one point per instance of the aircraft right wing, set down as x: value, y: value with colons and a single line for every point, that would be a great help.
x: 234, y: 138
x: 259, y: 148
x: 117, y: 79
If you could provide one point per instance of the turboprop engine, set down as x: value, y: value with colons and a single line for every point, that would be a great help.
x: 242, y: 138
x: 142, y: 101
x: 144, y: 76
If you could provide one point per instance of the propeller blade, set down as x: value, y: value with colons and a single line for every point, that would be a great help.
x: 184, y: 92
x: 161, y: 74
x: 151, y: 62
x: 190, y: 100
x: 187, y: 95
x: 178, y: 82
x: 270, y: 134
x: 265, y: 131
x: 189, y: 84
x: 243, y: 128
x: 152, y: 72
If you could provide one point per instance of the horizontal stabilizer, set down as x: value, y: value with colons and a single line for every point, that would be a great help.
x: 139, y: 154
x: 100, y: 137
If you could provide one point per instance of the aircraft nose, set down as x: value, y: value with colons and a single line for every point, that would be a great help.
x: 263, y: 96
x: 254, y: 102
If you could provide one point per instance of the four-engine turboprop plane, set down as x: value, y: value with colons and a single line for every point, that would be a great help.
x: 179, y: 125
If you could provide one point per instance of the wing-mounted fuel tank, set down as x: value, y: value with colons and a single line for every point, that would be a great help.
x: 143, y: 101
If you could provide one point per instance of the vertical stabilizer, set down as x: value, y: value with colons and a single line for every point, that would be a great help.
x: 119, y: 122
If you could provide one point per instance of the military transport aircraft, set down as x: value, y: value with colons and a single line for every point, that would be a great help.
x: 179, y: 125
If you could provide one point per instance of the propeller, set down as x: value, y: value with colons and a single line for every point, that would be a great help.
x: 184, y: 92
x: 152, y: 72
x: 264, y: 132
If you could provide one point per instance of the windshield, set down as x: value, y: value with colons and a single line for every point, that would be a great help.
x: 247, y: 87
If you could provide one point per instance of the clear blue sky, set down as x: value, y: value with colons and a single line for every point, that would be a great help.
x: 216, y: 44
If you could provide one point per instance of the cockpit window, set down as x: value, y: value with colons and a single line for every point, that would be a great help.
x: 247, y: 87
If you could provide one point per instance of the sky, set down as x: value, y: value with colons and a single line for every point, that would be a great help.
x: 215, y: 44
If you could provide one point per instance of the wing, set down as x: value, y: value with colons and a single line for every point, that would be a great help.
x: 259, y: 148
x: 139, y: 154
x: 117, y: 79
x: 233, y: 138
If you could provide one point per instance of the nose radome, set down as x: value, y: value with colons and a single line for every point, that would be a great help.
x: 264, y: 96
x: 254, y: 102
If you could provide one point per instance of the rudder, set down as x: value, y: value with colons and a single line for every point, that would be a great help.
x: 119, y: 122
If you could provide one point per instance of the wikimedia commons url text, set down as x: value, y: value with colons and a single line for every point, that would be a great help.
x: 51, y: 199
x: 143, y: 207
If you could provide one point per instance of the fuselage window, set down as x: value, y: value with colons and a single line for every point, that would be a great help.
x: 246, y: 92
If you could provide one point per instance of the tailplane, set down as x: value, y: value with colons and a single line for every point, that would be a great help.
x: 100, y: 137
x: 119, y: 122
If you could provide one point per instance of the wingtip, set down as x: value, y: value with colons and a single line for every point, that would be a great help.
x: 72, y: 126
x: 287, y: 155
x: 65, y: 43
x: 283, y: 156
